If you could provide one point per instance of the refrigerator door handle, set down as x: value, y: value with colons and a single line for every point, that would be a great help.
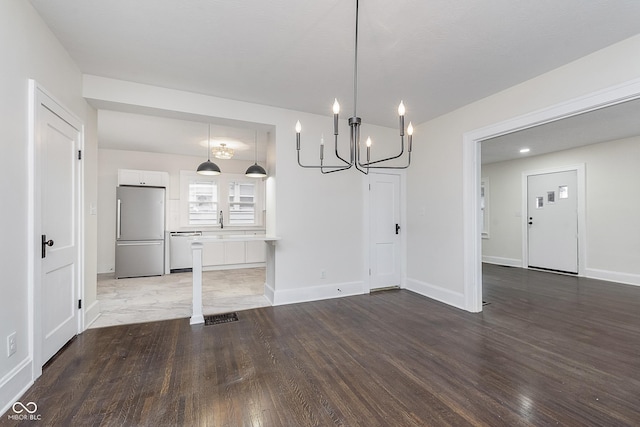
x: 119, y: 219
x: 150, y: 243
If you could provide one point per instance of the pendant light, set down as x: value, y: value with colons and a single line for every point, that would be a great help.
x: 255, y: 170
x: 208, y: 167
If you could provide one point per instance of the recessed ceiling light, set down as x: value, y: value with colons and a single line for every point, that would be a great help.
x: 524, y: 150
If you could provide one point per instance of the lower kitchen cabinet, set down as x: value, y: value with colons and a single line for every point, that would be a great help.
x: 234, y: 253
x: 212, y: 253
x: 255, y: 252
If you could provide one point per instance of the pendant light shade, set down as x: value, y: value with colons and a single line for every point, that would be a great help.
x: 208, y: 167
x: 255, y: 170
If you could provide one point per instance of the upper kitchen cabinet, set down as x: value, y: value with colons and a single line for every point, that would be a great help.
x: 145, y: 178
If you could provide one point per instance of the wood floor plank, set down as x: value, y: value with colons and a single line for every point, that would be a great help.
x: 547, y: 350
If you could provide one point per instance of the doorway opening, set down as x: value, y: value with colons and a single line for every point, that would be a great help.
x: 472, y: 170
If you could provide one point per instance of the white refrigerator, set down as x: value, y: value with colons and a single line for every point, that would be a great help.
x: 140, y: 227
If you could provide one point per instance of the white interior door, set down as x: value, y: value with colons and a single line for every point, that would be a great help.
x: 385, y: 240
x: 552, y: 217
x: 57, y: 144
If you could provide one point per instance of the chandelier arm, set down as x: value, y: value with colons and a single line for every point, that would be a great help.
x: 344, y: 166
x: 359, y: 166
x: 381, y: 160
x: 392, y: 167
x: 335, y: 170
x: 338, y: 155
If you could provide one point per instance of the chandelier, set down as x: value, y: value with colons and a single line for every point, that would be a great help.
x: 355, y: 157
x: 222, y: 152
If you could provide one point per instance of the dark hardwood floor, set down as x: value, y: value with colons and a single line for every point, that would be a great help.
x: 547, y: 350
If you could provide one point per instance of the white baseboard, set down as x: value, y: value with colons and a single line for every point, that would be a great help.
x: 91, y: 313
x: 455, y: 299
x: 15, y: 384
x: 511, y: 262
x: 316, y: 293
x: 233, y: 266
x: 613, y: 276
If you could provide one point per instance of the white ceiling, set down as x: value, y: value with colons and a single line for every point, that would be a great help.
x: 436, y: 55
x: 149, y: 133
x: 607, y: 124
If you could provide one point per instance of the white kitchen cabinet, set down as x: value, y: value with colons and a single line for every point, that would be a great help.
x: 234, y: 252
x: 213, y: 253
x: 255, y: 252
x: 144, y: 178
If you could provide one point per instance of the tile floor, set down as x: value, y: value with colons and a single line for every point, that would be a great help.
x: 147, y: 299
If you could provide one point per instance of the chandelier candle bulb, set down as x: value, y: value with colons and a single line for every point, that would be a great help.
x: 401, y: 111
x: 336, y: 112
x: 368, y: 149
x: 298, y: 129
x: 410, y: 133
x: 321, y: 147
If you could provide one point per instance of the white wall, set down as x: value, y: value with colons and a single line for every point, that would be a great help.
x: 612, y: 229
x: 319, y: 217
x: 435, y: 208
x: 109, y: 161
x: 29, y: 51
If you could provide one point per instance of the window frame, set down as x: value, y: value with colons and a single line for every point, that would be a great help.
x: 223, y: 204
x: 484, y: 207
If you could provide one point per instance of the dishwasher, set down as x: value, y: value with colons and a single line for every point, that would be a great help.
x: 180, y: 257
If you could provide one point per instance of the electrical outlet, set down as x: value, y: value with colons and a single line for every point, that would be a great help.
x: 323, y: 274
x: 11, y: 344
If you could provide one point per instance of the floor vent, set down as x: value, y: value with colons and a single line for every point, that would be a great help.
x: 216, y: 319
x: 485, y: 303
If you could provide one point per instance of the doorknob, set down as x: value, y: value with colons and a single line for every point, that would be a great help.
x: 397, y: 228
x: 45, y: 243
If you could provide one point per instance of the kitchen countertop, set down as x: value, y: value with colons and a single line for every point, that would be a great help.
x: 234, y: 238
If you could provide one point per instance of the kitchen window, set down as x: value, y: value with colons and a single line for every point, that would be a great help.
x: 203, y: 198
x: 203, y: 203
x: 484, y: 207
x: 242, y: 203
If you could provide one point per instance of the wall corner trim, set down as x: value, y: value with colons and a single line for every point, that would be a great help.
x: 91, y: 314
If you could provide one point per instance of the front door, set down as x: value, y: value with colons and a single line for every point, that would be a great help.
x: 57, y: 145
x: 385, y: 253
x: 552, y: 218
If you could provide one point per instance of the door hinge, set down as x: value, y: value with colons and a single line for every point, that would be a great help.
x: 79, y: 304
x: 79, y: 154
